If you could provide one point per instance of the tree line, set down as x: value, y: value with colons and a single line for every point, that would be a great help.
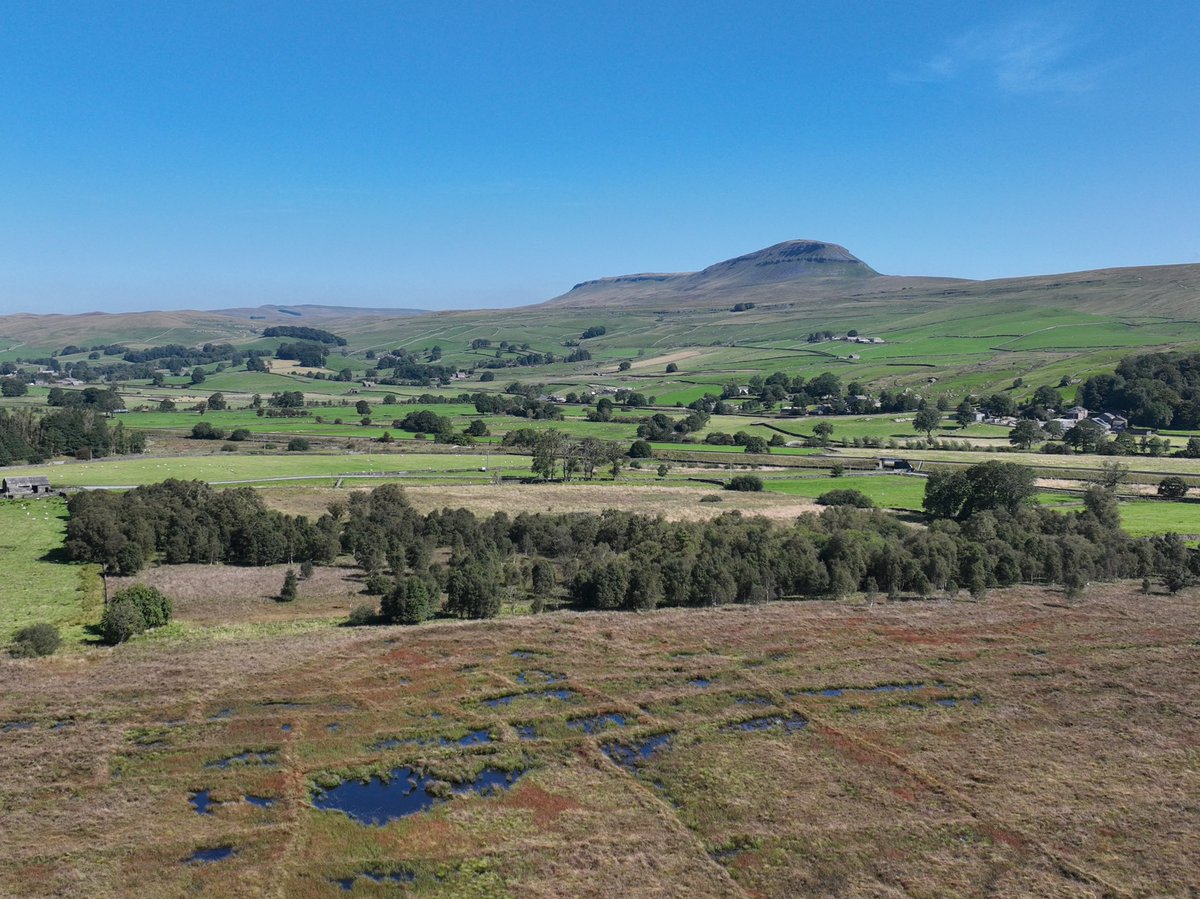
x: 79, y: 431
x: 1154, y: 390
x: 619, y: 560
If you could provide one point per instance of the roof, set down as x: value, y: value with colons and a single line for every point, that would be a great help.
x: 31, y: 481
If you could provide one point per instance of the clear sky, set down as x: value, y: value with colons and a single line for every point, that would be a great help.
x: 175, y: 153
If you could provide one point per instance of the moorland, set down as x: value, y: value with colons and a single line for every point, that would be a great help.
x: 783, y: 577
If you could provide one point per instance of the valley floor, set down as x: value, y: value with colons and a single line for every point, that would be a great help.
x: 1014, y: 747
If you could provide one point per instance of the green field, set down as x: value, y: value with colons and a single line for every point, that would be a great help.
x: 230, y: 467
x: 38, y: 586
x: 1142, y: 519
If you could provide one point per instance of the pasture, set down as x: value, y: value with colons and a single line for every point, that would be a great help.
x: 1018, y: 746
x: 38, y: 584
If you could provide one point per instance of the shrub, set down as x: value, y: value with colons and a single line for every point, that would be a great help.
x: 155, y: 608
x: 711, y: 498
x: 205, y: 431
x: 846, y: 497
x: 378, y: 584
x: 361, y: 614
x: 640, y: 449
x: 297, y: 445
x: 747, y: 483
x: 672, y: 368
x: 410, y: 601
x: 287, y: 592
x: 121, y: 620
x: 755, y: 444
x: 36, y: 640
x: 1173, y: 487
x: 228, y: 448
x: 306, y: 569
x: 239, y: 434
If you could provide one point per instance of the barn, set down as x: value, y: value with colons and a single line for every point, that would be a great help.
x: 25, y: 487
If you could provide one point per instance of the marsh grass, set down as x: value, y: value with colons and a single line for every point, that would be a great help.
x: 1026, y: 792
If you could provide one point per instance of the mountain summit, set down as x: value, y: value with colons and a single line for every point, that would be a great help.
x: 783, y: 262
x: 785, y: 271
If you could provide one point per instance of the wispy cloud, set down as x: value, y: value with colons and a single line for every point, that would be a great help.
x: 1025, y: 56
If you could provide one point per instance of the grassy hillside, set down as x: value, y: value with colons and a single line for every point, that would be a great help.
x: 966, y: 335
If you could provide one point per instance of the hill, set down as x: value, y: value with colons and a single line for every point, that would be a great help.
x: 31, y: 334
x: 809, y: 275
x: 788, y: 271
x: 752, y: 313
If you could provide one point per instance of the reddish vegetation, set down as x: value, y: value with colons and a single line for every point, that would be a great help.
x: 545, y: 806
x: 1007, y: 837
x: 1067, y: 751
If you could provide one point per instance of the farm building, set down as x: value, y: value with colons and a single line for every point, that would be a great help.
x: 21, y: 488
x: 890, y: 464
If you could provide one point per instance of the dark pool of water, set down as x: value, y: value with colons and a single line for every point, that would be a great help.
x: 526, y: 732
x: 629, y: 757
x: 260, y: 801
x: 544, y: 677
x: 206, y: 856
x: 752, y: 700
x: 489, y: 780
x: 522, y: 654
x: 789, y: 723
x: 475, y: 738
x: 221, y: 715
x: 596, y: 723
x: 267, y: 757
x: 701, y: 682
x: 333, y: 728
x: 10, y: 726
x: 377, y: 801
x: 202, y: 802
x: 405, y: 792
x: 380, y: 878
x: 286, y: 728
x: 563, y: 693
x: 949, y: 702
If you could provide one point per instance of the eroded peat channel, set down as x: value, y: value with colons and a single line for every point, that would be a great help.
x: 767, y: 751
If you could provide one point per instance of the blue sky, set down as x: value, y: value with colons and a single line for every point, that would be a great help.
x: 461, y: 155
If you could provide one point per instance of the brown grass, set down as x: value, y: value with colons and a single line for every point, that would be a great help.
x: 674, y: 503
x: 1074, y: 775
x: 213, y: 594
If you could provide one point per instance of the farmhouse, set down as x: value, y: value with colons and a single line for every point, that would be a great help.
x: 1110, y: 422
x: 25, y: 487
x: 890, y: 464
